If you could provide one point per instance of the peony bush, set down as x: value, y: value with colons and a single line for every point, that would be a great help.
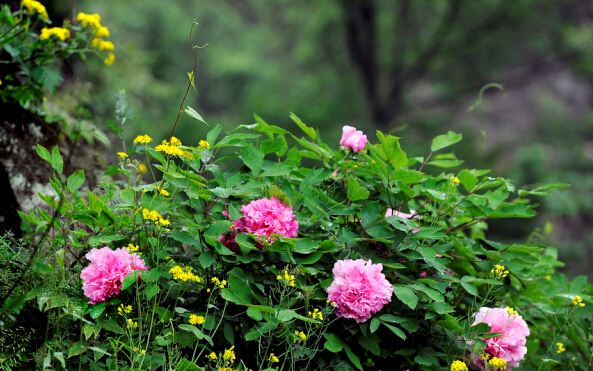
x: 261, y: 249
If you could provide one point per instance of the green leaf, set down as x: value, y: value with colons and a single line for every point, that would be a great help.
x: 60, y: 357
x: 191, y: 328
x: 309, y: 131
x: 353, y: 358
x: 396, y: 331
x: 406, y: 295
x: 110, y: 325
x: 241, y: 290
x: 407, y: 176
x: 56, y: 160
x: 273, y: 145
x: 213, y: 134
x: 206, y: 259
x: 218, y: 228
x: 97, y: 310
x: 445, y: 163
x: 190, y: 111
x: 76, y: 180
x: 449, y: 325
x: 254, y: 314
x: 253, y: 157
x: 422, y: 358
x: 444, y: 140
x: 14, y: 304
x: 370, y: 214
x: 130, y: 279
x: 355, y: 191
x: 470, y: 288
x: 390, y: 150
x: 375, y: 323
x: 468, y: 179
x: 280, y: 169
x: 188, y: 239
x: 43, y: 153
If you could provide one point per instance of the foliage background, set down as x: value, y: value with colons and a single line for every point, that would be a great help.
x: 271, y: 56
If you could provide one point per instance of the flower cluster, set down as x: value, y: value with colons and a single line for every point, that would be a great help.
x: 184, y: 274
x: 122, y: 155
x: 173, y: 148
x: 218, y: 282
x: 359, y: 289
x: 458, y: 366
x: 353, y: 139
x: 316, y: 314
x: 196, y: 320
x: 155, y: 216
x: 132, y: 248
x: 288, y: 278
x: 267, y: 218
x: 94, y: 21
x: 132, y: 323
x: 499, y: 271
x: 121, y: 309
x: 561, y: 348
x: 510, y: 345
x: 273, y: 358
x: 103, y: 278
x: 498, y: 364
x: 513, y: 313
x: 300, y: 336
x: 59, y: 32
x: 204, y: 144
x: 229, y: 354
x: 577, y: 300
x: 35, y: 7
x: 162, y: 191
x: 455, y: 181
x: 89, y: 20
x: 143, y: 139
x: 102, y: 44
x: 212, y: 356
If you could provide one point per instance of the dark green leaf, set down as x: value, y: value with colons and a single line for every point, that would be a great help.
x: 444, y: 140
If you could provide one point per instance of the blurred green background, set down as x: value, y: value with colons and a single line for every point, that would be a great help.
x: 411, y: 68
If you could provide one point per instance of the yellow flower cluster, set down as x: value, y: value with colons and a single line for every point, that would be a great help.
x: 212, y: 356
x: 102, y: 32
x: 110, y: 59
x: 122, y: 155
x: 184, y: 274
x: 196, y: 320
x: 143, y: 139
x: 0, y: 82
x: 89, y: 20
x: 136, y: 349
x: 173, y: 148
x: 121, y: 309
x: 578, y: 301
x: 498, y: 364
x: 499, y: 271
x: 219, y: 283
x: 162, y: 191
x: 485, y: 356
x: 300, y: 336
x: 512, y: 312
x: 102, y: 44
x: 229, y: 354
x: 288, y: 278
x: 458, y: 366
x: 35, y: 7
x: 561, y: 348
x: 131, y: 248
x: 273, y: 358
x: 316, y: 314
x: 61, y: 33
x: 333, y: 303
x: 203, y: 144
x: 454, y: 180
x: 154, y: 216
x: 132, y: 323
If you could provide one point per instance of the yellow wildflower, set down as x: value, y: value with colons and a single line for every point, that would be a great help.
x: 499, y: 271
x: 61, y: 33
x: 143, y: 351
x: 196, y: 320
x: 102, y: 45
x: 454, y: 180
x: 273, y: 358
x: 512, y: 312
x: 143, y: 139
x: 132, y: 248
x: 229, y: 354
x: 110, y: 59
x: 498, y: 364
x: 184, y: 274
x: 204, y: 145
x: 122, y: 155
x: 458, y: 366
x: 0, y: 82
x: 102, y: 32
x: 577, y: 300
x: 212, y: 355
x: 136, y: 349
x: 560, y: 348
x: 35, y: 7
x: 548, y: 277
x: 92, y: 20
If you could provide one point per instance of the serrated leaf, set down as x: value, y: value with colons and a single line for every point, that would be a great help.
x: 76, y: 180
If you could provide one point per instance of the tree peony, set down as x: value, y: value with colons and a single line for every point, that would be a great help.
x: 511, y: 345
x: 105, y: 275
x: 265, y: 218
x: 359, y: 289
x: 353, y: 139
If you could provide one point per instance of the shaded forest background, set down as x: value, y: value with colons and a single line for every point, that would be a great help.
x: 411, y: 68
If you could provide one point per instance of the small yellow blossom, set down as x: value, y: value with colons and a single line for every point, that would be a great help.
x: 132, y: 248
x: 184, y: 274
x: 207, y: 290
x: 229, y: 354
x: 143, y: 351
x: 317, y: 314
x: 498, y: 363
x: 212, y: 356
x: 499, y: 271
x: 102, y: 44
x: 512, y: 312
x: 485, y: 356
x: 122, y: 155
x: 196, y: 320
x: 89, y: 20
x: 454, y: 180
x: 458, y: 366
x: 59, y: 32
x: 273, y: 358
x: 300, y: 336
x: 136, y: 349
x: 0, y: 82
x: 35, y: 7
x: 102, y: 32
x: 577, y: 300
x: 143, y: 139
x: 204, y: 145
x: 560, y: 348
x: 110, y: 59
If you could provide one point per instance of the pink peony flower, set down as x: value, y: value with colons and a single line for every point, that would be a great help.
x: 265, y: 217
x: 229, y: 242
x: 105, y: 275
x: 359, y: 289
x: 353, y: 139
x: 423, y: 274
x: 510, y: 346
x: 391, y: 212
